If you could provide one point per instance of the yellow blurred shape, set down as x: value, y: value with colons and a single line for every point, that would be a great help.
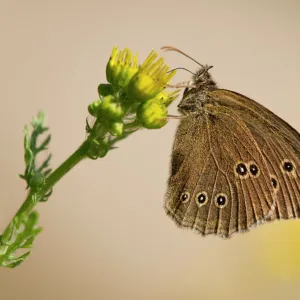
x: 281, y: 249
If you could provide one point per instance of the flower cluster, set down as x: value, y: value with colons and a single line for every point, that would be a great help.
x: 134, y: 97
x: 133, y: 92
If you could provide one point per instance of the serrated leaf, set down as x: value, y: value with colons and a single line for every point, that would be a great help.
x: 32, y: 219
x: 3, y: 250
x: 7, y: 234
x: 39, y: 120
x: 28, y: 152
x: 14, y: 262
x: 33, y: 171
x: 45, y: 143
x: 28, y: 243
x: 47, y: 172
x: 45, y: 164
x: 15, y: 238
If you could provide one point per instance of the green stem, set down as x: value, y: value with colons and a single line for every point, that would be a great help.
x: 66, y: 166
x: 34, y: 196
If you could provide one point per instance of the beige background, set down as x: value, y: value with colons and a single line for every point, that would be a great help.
x: 106, y: 235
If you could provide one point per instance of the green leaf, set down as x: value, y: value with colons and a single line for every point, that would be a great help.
x: 44, y: 144
x: 14, y: 262
x: 19, y: 235
x: 35, y: 173
x: 45, y: 164
x: 7, y: 234
x: 28, y: 153
x: 32, y: 219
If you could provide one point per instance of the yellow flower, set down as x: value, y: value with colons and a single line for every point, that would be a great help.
x: 150, y: 79
x: 152, y: 114
x: 121, y: 67
x: 167, y: 98
x: 134, y: 91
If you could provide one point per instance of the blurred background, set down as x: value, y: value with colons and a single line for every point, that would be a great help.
x: 106, y: 235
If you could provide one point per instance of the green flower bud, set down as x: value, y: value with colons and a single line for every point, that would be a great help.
x: 152, y: 114
x: 121, y: 67
x: 105, y: 89
x: 150, y: 80
x: 117, y: 129
x: 94, y: 108
x: 111, y: 109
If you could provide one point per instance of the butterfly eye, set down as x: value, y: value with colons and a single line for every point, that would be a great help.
x: 241, y: 170
x: 274, y: 183
x: 253, y: 168
x: 185, y: 197
x: 201, y: 198
x: 221, y: 200
x: 288, y: 167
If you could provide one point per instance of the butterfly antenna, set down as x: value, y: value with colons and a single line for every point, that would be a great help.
x: 170, y: 48
x: 180, y: 68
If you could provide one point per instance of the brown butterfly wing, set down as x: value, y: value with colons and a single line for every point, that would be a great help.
x: 207, y: 149
x: 280, y: 145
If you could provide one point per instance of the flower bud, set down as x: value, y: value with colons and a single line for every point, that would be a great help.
x: 121, y: 67
x: 105, y: 89
x: 94, y: 108
x: 111, y: 109
x: 152, y: 114
x: 117, y: 129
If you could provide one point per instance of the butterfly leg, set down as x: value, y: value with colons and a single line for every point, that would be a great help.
x: 172, y: 117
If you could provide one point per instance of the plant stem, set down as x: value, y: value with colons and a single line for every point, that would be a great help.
x: 34, y: 195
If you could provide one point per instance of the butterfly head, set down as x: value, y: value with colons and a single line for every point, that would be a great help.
x: 195, y: 97
x: 202, y: 79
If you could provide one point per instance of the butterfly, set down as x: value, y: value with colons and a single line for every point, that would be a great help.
x: 234, y: 163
